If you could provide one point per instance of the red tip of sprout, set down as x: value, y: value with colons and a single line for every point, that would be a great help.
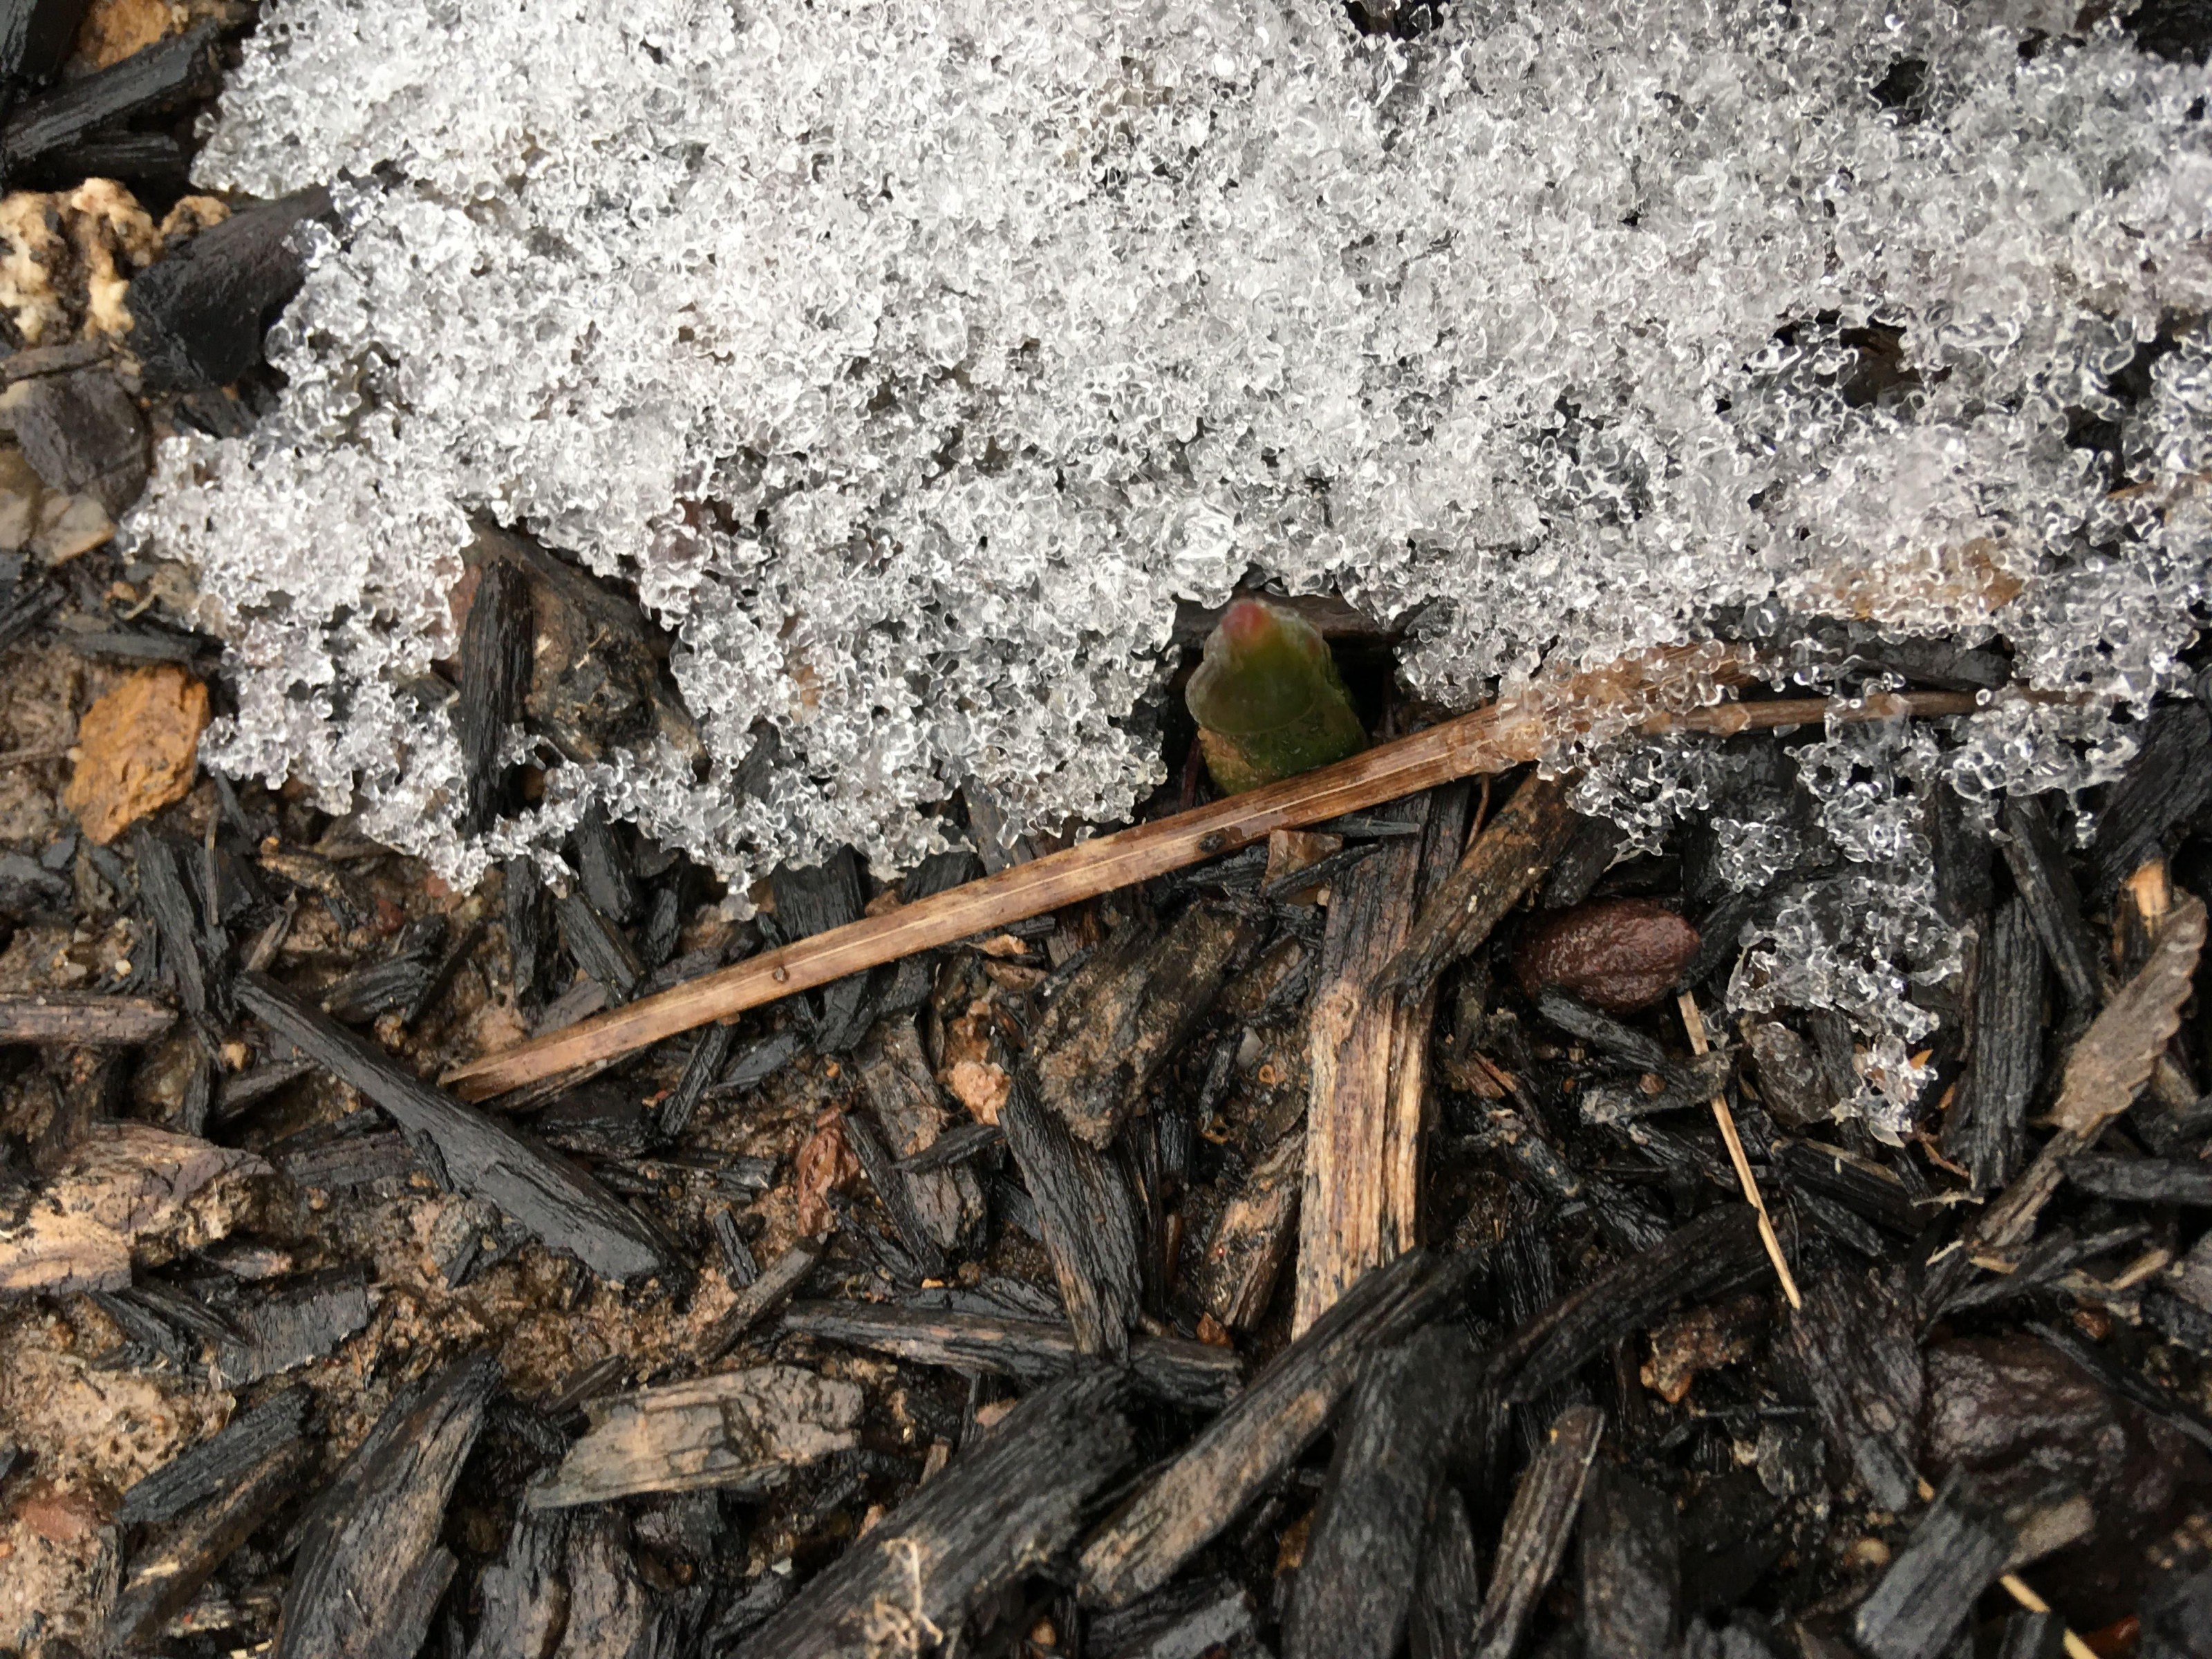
x: 1246, y: 622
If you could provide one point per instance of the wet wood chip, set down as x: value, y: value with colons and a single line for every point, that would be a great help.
x: 741, y: 1431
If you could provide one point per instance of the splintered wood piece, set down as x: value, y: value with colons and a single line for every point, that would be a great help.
x: 200, y: 322
x: 1193, y: 1375
x: 1957, y: 1551
x: 745, y: 1430
x: 1988, y: 1129
x: 1211, y: 1619
x: 523, y: 1599
x: 820, y: 898
x: 1536, y: 1530
x: 1447, y: 1601
x: 1527, y: 1141
x: 85, y: 1019
x: 598, y: 946
x: 351, y: 1160
x: 369, y: 1569
x: 1087, y: 1219
x: 215, y: 1464
x: 546, y: 1194
x: 1855, y: 1351
x: 957, y: 1148
x: 158, y: 78
x: 168, y: 1572
x: 611, y: 1613
x: 2168, y: 784
x: 770, y: 1291
x: 1631, y: 1569
x: 1125, y: 1012
x: 1694, y: 1024
x: 1717, y: 1252
x: 167, y: 894
x: 124, y: 1187
x: 1235, y: 1278
x: 2114, y: 1058
x: 603, y: 869
x: 289, y: 1324
x: 2046, y: 882
x: 2141, y: 1180
x: 1492, y: 739
x: 34, y: 38
x: 495, y: 650
x: 1367, y: 1067
x: 947, y: 1202
x: 894, y: 1191
x: 1355, y: 1587
x: 1265, y: 1429
x: 2033, y: 1636
x: 1507, y: 859
x: 2175, y: 1616
x: 2111, y: 1061
x: 1007, y: 1502
x: 701, y: 1071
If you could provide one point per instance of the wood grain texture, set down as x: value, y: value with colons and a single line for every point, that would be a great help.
x: 168, y: 1572
x: 1717, y: 1252
x: 1087, y: 1218
x: 1008, y: 1503
x: 1536, y: 1530
x: 1265, y: 1429
x: 1507, y: 859
x: 1367, y: 1065
x: 1125, y: 1011
x: 86, y: 1018
x: 1355, y: 1587
x: 1194, y: 1375
x: 1504, y: 734
x: 1235, y: 1279
x: 742, y: 1430
x: 543, y: 1192
x: 370, y: 1568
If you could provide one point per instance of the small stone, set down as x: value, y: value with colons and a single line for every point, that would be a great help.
x: 113, y: 29
x: 138, y: 749
x: 58, y: 1514
x: 1618, y: 954
x: 69, y: 526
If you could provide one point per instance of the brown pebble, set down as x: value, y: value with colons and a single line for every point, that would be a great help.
x: 1618, y: 954
x: 56, y: 1515
x: 138, y: 751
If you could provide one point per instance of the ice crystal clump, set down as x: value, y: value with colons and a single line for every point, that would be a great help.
x: 915, y: 360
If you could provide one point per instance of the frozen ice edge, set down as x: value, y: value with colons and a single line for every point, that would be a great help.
x: 987, y: 343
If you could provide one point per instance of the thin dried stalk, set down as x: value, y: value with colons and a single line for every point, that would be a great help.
x: 1633, y: 694
x: 1694, y: 1023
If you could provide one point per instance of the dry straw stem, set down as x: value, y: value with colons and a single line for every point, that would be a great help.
x: 1694, y: 1023
x: 1508, y: 732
